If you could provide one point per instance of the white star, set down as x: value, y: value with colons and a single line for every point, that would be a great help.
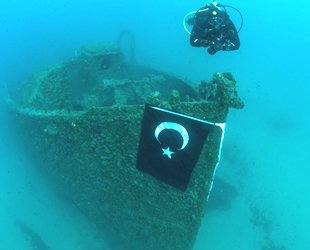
x: 167, y: 152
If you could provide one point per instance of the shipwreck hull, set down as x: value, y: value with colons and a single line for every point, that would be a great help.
x: 91, y: 158
x: 90, y: 155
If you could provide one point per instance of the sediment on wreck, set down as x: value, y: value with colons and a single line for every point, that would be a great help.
x: 82, y: 121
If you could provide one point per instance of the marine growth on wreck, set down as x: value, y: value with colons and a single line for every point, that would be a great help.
x: 82, y: 120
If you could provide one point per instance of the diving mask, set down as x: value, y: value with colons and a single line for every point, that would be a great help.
x: 216, y: 20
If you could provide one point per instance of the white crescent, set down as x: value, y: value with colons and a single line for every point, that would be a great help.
x: 174, y: 126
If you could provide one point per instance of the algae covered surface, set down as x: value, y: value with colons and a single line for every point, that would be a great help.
x: 86, y: 137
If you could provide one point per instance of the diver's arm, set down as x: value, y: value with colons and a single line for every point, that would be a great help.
x: 199, y: 36
x: 194, y: 40
x: 197, y: 40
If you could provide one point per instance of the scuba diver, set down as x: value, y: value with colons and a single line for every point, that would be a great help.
x: 213, y: 28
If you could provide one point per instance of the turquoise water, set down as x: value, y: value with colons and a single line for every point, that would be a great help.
x: 266, y: 146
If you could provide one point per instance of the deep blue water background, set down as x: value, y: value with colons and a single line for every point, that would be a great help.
x: 266, y: 146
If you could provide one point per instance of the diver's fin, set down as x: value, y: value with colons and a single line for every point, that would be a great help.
x: 190, y: 21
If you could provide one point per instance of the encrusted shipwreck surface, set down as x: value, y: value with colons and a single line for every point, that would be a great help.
x: 82, y: 121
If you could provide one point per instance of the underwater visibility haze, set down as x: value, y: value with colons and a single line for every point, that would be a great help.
x: 259, y: 198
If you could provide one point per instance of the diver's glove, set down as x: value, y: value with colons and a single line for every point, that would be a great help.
x: 214, y: 48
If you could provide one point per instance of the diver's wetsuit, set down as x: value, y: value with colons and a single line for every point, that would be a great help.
x: 205, y: 34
